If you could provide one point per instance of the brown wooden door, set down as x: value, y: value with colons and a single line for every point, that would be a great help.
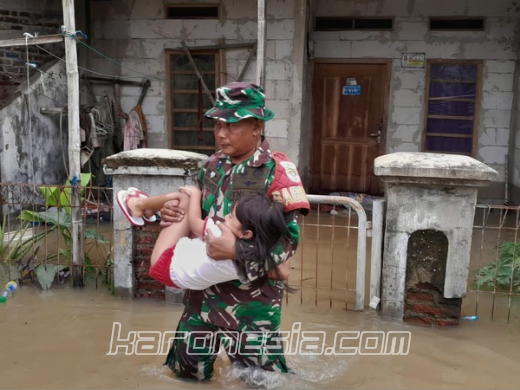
x: 348, y: 128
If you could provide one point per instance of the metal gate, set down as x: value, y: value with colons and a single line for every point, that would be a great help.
x: 330, y: 265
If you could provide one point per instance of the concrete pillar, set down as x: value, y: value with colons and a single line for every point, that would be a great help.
x: 435, y: 192
x: 154, y: 171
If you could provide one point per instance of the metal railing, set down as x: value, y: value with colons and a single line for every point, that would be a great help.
x: 330, y: 265
x: 331, y: 236
x: 494, y: 280
x: 36, y: 236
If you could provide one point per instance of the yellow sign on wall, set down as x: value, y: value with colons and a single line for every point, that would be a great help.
x: 413, y: 60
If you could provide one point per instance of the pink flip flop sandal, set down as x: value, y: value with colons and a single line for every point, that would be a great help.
x: 138, y: 192
x: 122, y: 199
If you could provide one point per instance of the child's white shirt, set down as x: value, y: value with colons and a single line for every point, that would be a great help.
x: 193, y: 269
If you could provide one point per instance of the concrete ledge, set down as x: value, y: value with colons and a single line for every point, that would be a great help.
x: 433, y: 166
x: 159, y: 161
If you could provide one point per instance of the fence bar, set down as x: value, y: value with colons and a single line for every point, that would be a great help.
x: 376, y: 250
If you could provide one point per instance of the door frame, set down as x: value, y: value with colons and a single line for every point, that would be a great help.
x: 386, y: 89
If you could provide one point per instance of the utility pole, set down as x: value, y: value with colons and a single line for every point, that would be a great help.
x: 71, y: 58
x: 260, y: 51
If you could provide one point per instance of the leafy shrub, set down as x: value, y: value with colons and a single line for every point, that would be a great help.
x: 504, y: 273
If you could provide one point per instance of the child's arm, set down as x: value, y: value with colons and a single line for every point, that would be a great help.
x: 194, y: 209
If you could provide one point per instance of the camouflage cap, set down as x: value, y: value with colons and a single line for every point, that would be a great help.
x: 237, y: 101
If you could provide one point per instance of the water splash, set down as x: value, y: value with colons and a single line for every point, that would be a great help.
x: 306, y: 372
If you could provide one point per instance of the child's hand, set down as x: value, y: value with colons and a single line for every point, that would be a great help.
x: 191, y: 191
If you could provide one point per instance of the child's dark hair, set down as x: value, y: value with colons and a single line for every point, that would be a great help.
x: 266, y: 220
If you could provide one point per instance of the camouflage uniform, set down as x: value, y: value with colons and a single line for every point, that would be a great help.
x: 223, y: 312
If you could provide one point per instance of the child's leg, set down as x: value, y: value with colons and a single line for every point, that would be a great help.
x: 170, y: 235
x: 138, y: 205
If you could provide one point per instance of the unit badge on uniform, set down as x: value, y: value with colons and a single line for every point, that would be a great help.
x: 290, y: 171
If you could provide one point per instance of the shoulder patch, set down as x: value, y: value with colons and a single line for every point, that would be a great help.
x: 290, y: 171
x: 287, y: 187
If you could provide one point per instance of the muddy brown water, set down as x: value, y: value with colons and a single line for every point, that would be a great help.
x: 60, y: 339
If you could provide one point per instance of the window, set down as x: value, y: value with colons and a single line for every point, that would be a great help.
x: 187, y: 101
x: 334, y: 23
x: 452, y: 102
x: 192, y: 12
x: 457, y: 24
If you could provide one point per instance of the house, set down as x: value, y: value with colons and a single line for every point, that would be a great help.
x: 348, y: 80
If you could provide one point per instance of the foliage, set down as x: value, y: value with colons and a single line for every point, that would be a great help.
x: 57, y: 218
x: 60, y: 196
x: 46, y: 274
x: 504, y: 273
x: 13, y: 247
x: 63, y: 222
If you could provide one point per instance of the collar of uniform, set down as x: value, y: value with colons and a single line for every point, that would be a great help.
x: 261, y: 156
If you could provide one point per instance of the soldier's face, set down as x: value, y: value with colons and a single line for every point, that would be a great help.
x: 238, y: 140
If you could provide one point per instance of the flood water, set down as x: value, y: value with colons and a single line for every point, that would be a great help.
x: 60, y: 339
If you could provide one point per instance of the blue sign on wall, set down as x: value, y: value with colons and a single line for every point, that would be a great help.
x: 352, y: 90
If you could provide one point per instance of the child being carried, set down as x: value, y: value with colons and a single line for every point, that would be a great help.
x: 180, y: 261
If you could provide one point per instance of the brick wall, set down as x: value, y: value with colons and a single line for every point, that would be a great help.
x: 425, y: 305
x: 19, y: 20
x: 13, y: 23
x: 425, y: 276
x: 145, y: 238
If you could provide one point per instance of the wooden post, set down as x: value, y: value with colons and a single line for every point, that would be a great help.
x: 260, y: 51
x: 71, y: 58
x: 31, y: 40
x: 221, y: 79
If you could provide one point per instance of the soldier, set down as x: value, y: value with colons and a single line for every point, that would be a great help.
x: 228, y: 312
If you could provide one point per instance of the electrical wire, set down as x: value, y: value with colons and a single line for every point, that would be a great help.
x: 74, y: 36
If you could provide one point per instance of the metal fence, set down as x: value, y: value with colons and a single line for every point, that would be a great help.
x: 337, y: 265
x: 331, y: 270
x: 36, y: 234
x: 494, y: 277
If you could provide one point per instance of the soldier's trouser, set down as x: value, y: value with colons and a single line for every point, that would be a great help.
x: 193, y: 356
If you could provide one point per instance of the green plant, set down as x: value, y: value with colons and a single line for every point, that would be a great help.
x: 60, y: 196
x: 109, y: 263
x: 62, y: 221
x: 504, y: 273
x: 15, y: 245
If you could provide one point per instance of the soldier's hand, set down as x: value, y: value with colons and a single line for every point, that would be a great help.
x: 223, y: 247
x: 170, y: 212
x: 283, y: 273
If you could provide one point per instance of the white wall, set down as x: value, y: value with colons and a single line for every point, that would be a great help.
x: 136, y: 34
x: 31, y: 145
x: 496, y: 46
